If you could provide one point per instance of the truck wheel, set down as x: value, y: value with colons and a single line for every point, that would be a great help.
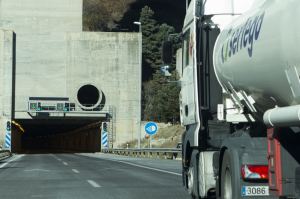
x: 230, y: 184
x: 192, y: 179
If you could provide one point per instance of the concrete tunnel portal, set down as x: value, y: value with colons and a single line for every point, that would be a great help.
x: 61, y: 124
x: 51, y: 56
x: 58, y: 124
x: 56, y: 135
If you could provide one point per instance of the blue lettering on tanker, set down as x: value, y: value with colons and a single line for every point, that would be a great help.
x: 242, y: 37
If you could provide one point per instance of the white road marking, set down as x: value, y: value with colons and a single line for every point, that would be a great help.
x: 54, y: 156
x: 37, y: 170
x: 11, y: 160
x: 65, y: 163
x: 93, y: 183
x: 141, y: 166
x: 37, y: 196
x: 150, y: 168
x: 75, y: 171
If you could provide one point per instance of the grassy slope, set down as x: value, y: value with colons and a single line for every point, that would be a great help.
x: 167, y: 137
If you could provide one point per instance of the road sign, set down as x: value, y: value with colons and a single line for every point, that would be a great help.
x: 151, y: 128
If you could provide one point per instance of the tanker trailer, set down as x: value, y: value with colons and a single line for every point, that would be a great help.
x: 239, y: 99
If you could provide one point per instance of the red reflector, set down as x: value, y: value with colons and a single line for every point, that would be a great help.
x: 259, y: 172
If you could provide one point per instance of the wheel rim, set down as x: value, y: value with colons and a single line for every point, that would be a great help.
x: 190, y: 180
x: 227, y: 185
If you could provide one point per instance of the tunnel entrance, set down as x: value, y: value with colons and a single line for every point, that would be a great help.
x: 57, y: 136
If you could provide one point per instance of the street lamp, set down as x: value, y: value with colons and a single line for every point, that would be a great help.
x: 139, y: 24
x: 140, y: 94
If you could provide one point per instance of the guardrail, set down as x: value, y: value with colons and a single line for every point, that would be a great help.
x: 160, y: 153
x: 4, y: 154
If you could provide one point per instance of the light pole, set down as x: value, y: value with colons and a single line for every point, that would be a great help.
x: 139, y: 24
x: 140, y: 94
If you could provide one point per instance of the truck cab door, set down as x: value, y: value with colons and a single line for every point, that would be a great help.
x: 188, y: 78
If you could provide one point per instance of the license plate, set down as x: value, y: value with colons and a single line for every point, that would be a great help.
x: 255, y: 191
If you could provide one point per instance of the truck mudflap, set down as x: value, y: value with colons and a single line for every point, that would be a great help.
x: 284, y: 162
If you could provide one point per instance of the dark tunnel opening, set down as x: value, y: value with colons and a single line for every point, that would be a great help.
x: 57, y: 136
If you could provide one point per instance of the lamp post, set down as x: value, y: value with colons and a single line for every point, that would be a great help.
x: 140, y: 79
x: 139, y: 24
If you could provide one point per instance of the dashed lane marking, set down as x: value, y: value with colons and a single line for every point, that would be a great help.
x: 65, y: 163
x: 75, y: 170
x: 93, y: 183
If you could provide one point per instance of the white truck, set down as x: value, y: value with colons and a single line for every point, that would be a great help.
x: 240, y: 98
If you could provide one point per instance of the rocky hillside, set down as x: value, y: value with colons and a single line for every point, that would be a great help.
x: 118, y: 15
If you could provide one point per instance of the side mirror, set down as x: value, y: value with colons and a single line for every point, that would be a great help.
x: 167, y: 52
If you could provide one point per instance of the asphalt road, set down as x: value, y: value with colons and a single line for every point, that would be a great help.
x: 96, y: 176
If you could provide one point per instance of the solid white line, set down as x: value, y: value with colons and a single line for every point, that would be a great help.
x: 13, y: 159
x: 75, y: 171
x: 44, y: 170
x: 150, y: 168
x: 145, y: 167
x: 65, y: 163
x: 93, y: 183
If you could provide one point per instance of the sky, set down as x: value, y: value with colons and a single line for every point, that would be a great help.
x: 226, y: 6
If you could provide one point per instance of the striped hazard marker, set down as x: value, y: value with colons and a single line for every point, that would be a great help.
x: 104, y: 139
x: 7, y: 140
x: 7, y: 144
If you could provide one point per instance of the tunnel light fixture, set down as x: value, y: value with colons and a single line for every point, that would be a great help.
x: 19, y: 126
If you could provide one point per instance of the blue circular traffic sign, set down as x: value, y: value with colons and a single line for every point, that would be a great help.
x: 151, y: 128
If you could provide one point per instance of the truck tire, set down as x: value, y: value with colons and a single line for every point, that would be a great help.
x: 230, y: 176
x: 192, y: 176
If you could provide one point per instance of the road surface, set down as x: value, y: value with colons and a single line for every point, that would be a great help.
x: 95, y: 176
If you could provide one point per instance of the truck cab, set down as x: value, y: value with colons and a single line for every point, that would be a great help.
x: 220, y: 140
x: 239, y: 99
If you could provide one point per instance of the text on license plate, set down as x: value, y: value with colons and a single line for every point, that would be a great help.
x: 255, y: 191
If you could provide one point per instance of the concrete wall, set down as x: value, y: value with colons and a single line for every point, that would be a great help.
x: 6, y: 69
x: 54, y: 58
x: 109, y: 61
x: 40, y: 26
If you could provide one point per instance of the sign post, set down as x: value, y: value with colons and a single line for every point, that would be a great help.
x: 151, y: 129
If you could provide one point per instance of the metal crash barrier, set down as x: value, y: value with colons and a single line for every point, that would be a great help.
x: 159, y: 153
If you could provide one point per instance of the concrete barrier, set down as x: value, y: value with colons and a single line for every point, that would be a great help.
x: 4, y: 154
